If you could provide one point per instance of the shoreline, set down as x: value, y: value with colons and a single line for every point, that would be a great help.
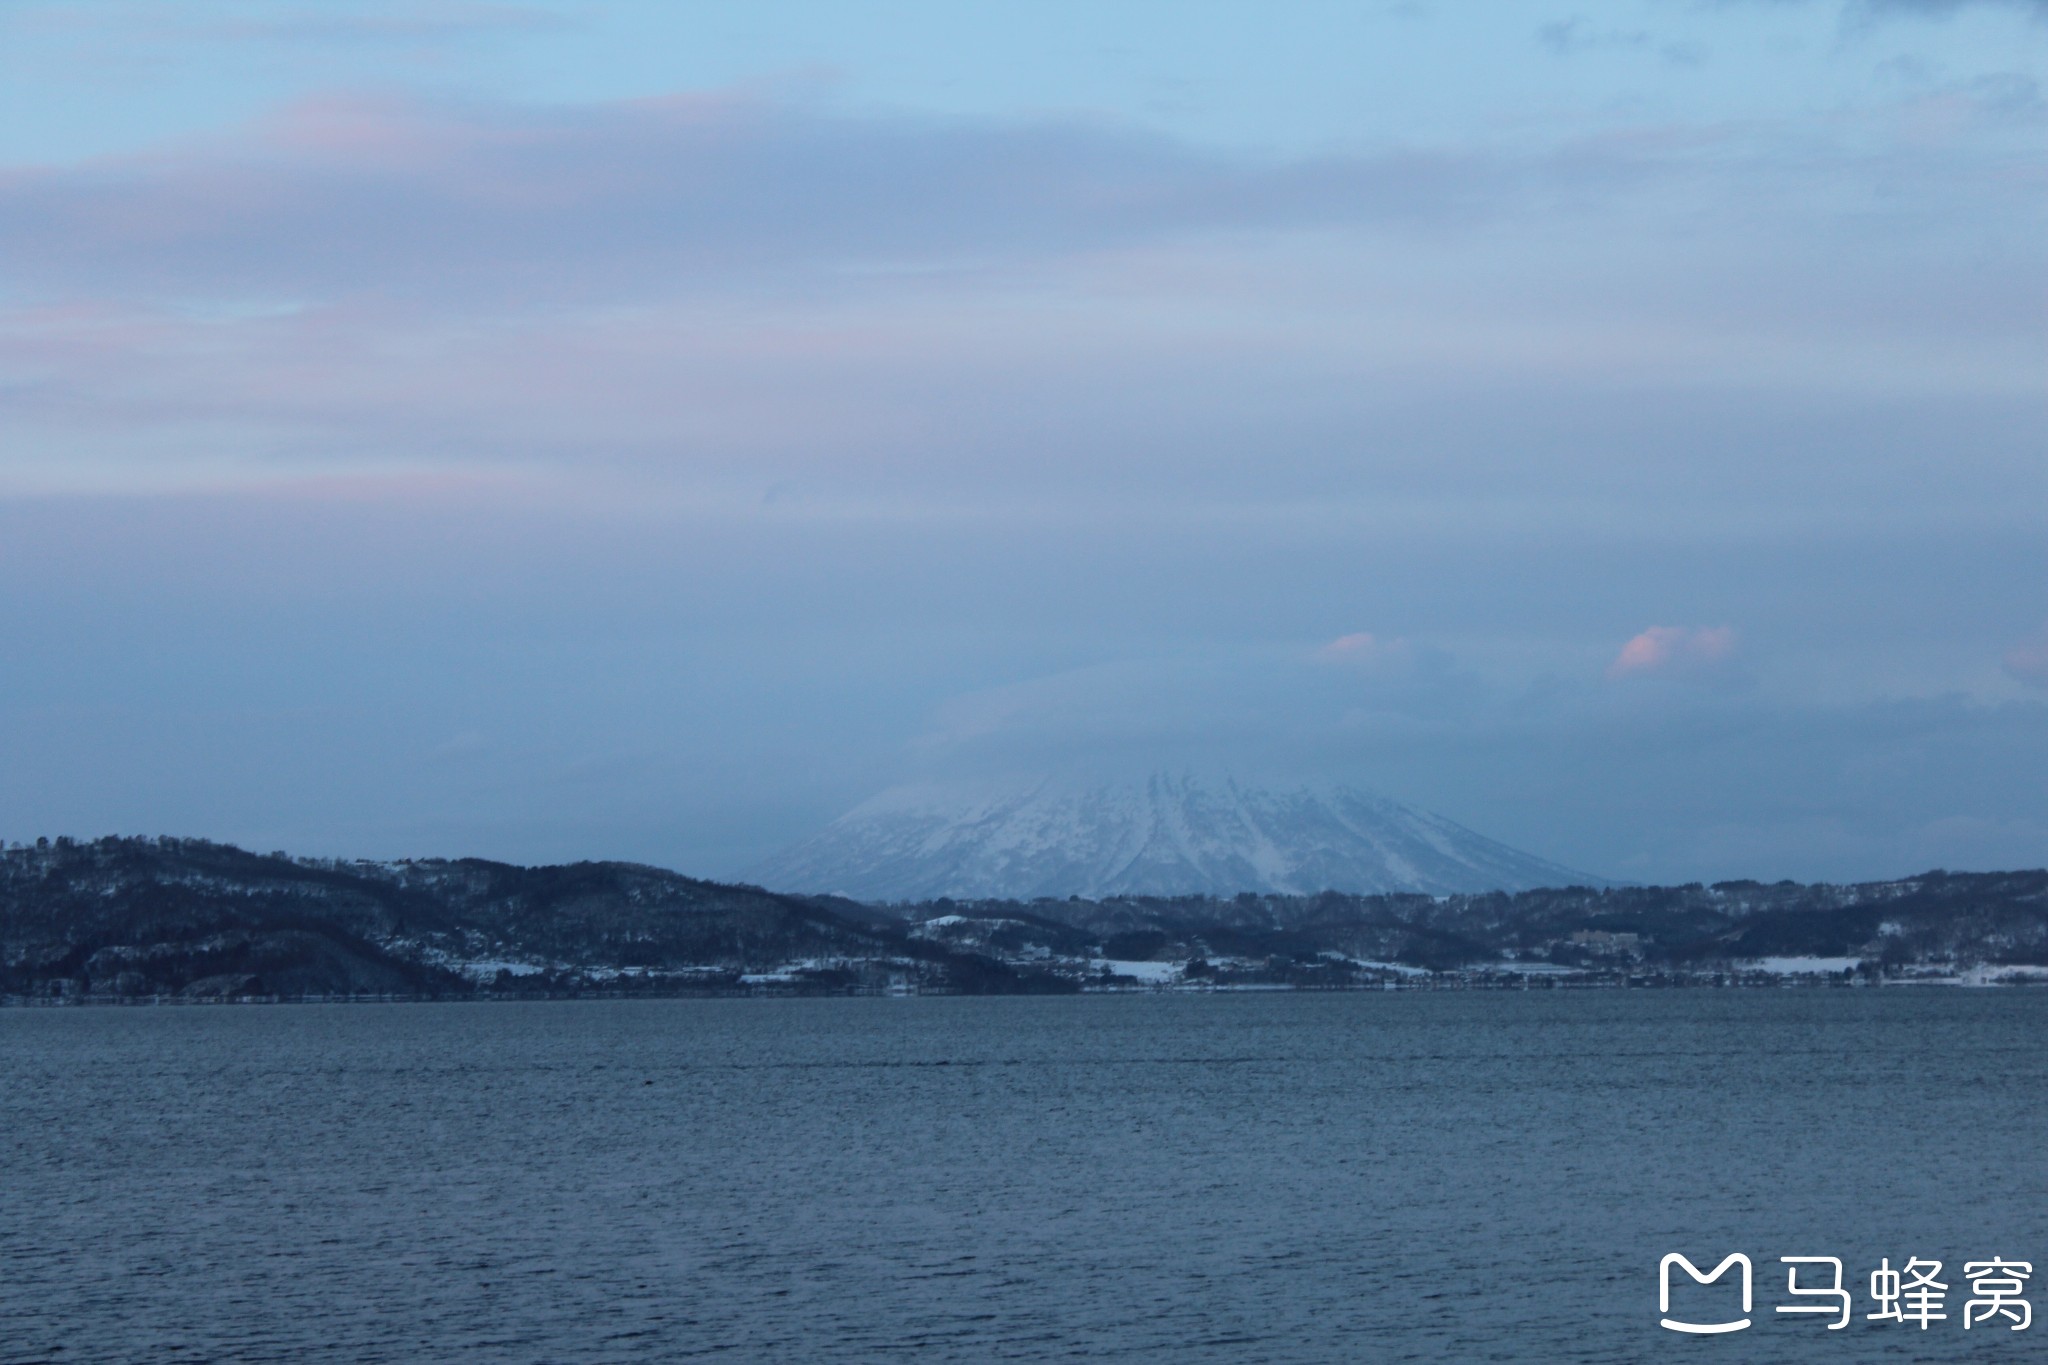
x: 775, y: 992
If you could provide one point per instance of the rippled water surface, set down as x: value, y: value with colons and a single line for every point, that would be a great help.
x: 1275, y: 1177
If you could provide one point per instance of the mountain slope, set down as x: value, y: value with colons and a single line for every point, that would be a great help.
x: 1165, y: 834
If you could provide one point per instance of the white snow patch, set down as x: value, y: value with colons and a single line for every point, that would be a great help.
x: 1401, y: 968
x: 1151, y: 973
x: 1801, y: 966
x: 487, y: 969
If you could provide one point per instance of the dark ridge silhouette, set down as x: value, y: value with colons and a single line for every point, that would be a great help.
x: 146, y: 917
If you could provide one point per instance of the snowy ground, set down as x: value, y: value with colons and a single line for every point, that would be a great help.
x: 1151, y: 973
x: 1801, y: 966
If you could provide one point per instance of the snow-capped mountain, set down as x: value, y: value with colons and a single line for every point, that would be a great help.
x: 1163, y: 834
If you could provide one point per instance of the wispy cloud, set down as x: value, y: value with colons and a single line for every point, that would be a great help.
x: 405, y: 24
x: 2028, y: 661
x: 411, y: 199
x: 505, y: 207
x: 1363, y: 649
x: 409, y: 24
x: 1570, y: 37
x: 1672, y: 650
x: 1863, y: 12
x: 1943, y: 8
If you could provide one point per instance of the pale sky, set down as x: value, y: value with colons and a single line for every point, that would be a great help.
x: 644, y: 430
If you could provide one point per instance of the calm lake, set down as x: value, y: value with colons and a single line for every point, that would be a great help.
x: 1477, y: 1176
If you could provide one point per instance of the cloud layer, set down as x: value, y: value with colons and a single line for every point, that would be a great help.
x: 654, y: 474
x: 736, y: 289
x: 643, y: 199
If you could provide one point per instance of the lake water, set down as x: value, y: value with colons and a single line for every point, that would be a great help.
x: 1476, y: 1176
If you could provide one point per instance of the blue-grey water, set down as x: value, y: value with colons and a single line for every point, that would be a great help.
x: 1479, y: 1176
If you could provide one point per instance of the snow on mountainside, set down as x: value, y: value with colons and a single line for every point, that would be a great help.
x: 1166, y: 834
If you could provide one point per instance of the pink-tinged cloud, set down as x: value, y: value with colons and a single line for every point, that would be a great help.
x: 2028, y: 662
x: 636, y: 199
x: 1365, y: 649
x: 1673, y: 649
